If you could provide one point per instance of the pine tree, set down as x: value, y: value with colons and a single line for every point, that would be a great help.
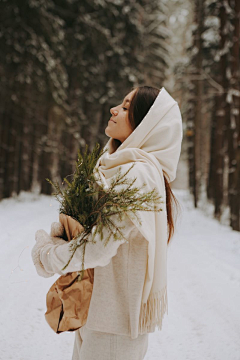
x: 210, y: 78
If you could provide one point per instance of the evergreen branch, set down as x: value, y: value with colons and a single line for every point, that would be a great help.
x: 86, y: 199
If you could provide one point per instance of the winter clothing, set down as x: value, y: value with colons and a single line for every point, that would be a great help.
x: 90, y: 344
x: 117, y: 290
x: 153, y: 146
x: 42, y: 239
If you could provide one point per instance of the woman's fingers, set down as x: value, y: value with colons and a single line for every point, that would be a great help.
x: 36, y: 261
x: 58, y: 241
x: 57, y: 229
x: 41, y: 235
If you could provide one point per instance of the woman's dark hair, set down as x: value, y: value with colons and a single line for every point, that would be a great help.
x: 142, y: 100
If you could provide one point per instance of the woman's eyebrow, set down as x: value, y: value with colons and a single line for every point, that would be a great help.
x: 127, y: 101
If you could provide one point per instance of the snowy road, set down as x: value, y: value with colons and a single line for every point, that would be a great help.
x: 203, y: 320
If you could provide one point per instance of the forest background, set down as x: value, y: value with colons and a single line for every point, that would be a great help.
x: 64, y: 64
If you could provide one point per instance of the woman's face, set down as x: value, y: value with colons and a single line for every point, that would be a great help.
x: 118, y: 126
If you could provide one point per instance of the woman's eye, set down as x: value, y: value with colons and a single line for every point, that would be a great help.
x: 124, y: 108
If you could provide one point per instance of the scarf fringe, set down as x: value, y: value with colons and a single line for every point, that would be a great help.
x: 152, y: 312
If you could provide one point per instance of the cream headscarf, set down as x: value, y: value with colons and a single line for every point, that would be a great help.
x: 154, y: 145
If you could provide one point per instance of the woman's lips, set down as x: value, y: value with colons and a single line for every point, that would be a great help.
x: 112, y: 120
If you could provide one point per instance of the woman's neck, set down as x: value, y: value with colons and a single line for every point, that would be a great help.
x: 114, y: 144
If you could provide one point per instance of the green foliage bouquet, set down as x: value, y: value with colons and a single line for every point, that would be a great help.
x: 87, y: 200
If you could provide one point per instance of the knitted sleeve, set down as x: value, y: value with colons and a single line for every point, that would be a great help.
x: 55, y: 257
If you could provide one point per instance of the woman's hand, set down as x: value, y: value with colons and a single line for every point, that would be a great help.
x: 57, y: 231
x: 42, y: 239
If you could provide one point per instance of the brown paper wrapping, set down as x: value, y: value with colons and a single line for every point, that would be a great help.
x: 68, y: 300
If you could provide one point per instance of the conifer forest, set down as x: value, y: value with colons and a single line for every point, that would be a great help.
x: 64, y: 64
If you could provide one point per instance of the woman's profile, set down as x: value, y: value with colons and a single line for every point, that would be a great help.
x: 129, y: 297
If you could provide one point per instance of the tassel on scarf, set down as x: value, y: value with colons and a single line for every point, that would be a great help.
x: 152, y: 312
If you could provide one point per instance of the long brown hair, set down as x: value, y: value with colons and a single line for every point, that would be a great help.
x: 142, y: 100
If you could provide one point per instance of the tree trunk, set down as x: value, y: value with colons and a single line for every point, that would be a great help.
x: 234, y: 125
x: 198, y: 104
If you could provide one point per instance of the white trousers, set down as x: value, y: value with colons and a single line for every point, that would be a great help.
x: 91, y: 345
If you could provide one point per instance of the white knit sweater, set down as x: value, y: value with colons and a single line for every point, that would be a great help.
x: 119, y: 273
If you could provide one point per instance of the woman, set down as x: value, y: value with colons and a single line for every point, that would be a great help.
x: 129, y: 295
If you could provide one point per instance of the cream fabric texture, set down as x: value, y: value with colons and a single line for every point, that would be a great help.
x: 42, y: 238
x: 153, y: 147
x: 89, y: 345
x: 117, y: 292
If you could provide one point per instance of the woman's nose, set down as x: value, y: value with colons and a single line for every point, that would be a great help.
x: 113, y: 111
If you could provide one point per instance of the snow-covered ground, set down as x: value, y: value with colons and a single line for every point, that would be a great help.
x: 203, y: 320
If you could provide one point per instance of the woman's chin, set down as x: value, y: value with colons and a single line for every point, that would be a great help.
x: 107, y: 132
